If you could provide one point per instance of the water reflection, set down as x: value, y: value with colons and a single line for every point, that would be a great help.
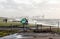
x: 32, y: 36
x: 16, y: 36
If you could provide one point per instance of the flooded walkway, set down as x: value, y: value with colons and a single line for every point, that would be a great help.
x: 32, y: 36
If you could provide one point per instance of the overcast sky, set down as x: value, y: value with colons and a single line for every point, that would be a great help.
x: 49, y: 8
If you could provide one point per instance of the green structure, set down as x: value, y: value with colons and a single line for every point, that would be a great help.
x: 24, y: 22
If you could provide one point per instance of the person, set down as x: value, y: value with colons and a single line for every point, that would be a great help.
x: 5, y: 20
x: 26, y: 22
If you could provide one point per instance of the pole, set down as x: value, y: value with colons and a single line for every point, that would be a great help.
x: 11, y: 27
x: 58, y: 27
x: 23, y: 28
x: 50, y: 28
x: 41, y: 27
x: 37, y: 27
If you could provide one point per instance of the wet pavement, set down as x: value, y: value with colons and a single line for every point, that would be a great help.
x: 32, y: 36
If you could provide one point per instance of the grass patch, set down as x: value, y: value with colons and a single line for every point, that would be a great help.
x: 7, y: 32
x: 9, y: 23
x: 13, y: 23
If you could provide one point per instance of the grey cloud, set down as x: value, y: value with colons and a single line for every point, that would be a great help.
x: 8, y: 4
x: 30, y: 9
x: 23, y: 9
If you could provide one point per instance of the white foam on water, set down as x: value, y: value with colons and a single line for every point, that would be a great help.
x: 19, y: 36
